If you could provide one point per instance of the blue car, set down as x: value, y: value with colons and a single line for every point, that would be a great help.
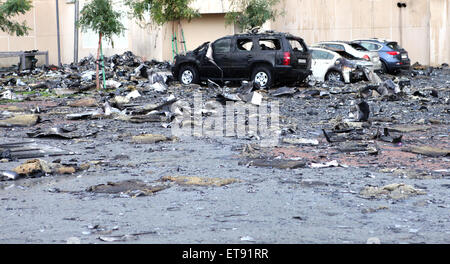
x: 393, y: 57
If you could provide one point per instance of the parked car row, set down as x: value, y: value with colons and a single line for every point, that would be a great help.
x: 270, y: 57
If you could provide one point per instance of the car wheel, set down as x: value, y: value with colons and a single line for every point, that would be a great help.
x: 262, y: 76
x: 188, y: 75
x: 334, y: 76
x: 384, y: 68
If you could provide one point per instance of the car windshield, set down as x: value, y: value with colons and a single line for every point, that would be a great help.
x: 393, y: 45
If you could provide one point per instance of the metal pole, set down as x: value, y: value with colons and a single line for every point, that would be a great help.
x: 75, y: 33
x: 57, y: 33
x: 401, y: 27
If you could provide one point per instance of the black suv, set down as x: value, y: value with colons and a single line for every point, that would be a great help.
x: 261, y: 57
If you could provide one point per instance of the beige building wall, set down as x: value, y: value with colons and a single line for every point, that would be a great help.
x: 422, y: 28
x: 208, y: 27
x: 42, y: 20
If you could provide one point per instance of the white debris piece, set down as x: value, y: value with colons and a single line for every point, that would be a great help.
x: 113, y: 84
x: 159, y: 87
x: 333, y: 163
x: 256, y: 98
x: 132, y: 95
x: 19, y: 82
x: 87, y: 76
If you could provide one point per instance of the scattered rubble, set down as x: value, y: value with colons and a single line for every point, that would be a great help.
x: 428, y: 151
x: 123, y: 238
x: 280, y: 164
x: 59, y: 132
x: 38, y: 168
x: 20, y: 121
x: 151, y: 138
x: 128, y: 188
x: 200, y: 181
x: 394, y: 191
x: 389, y: 126
x: 29, y: 149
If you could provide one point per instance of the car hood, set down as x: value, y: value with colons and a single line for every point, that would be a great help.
x: 362, y: 63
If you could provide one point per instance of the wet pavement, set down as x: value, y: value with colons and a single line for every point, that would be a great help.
x: 109, y: 186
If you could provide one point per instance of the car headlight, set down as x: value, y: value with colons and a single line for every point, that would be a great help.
x: 346, y: 69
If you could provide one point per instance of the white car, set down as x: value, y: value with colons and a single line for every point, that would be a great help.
x: 354, y: 49
x: 327, y: 65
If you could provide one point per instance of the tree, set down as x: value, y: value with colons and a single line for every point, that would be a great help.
x: 254, y: 13
x: 100, y: 17
x: 162, y: 12
x: 10, y: 9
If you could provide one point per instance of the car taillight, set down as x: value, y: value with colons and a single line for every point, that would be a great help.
x: 393, y: 53
x: 286, y: 58
x: 366, y: 57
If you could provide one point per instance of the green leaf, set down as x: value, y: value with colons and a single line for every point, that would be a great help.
x: 100, y: 17
x: 10, y: 9
x: 162, y: 11
x: 254, y: 13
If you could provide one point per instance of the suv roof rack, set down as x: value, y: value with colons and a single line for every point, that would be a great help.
x: 257, y: 30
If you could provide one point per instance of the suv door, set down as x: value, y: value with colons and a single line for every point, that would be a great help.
x: 269, y: 50
x: 222, y: 49
x: 322, y: 61
x: 242, y: 57
x: 300, y: 57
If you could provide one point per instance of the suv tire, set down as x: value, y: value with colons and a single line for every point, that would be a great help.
x: 262, y: 76
x: 188, y: 75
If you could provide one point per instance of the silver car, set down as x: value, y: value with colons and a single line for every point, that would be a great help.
x: 354, y: 49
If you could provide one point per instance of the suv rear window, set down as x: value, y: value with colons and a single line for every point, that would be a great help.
x: 297, y: 45
x: 244, y: 44
x: 269, y: 44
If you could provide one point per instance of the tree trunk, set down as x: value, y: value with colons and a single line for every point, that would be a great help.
x: 98, y: 60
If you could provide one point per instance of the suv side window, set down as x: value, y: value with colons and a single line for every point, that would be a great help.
x: 244, y: 44
x: 269, y: 44
x: 222, y: 46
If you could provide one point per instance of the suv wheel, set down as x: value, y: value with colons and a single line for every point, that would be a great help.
x: 262, y: 76
x: 334, y: 76
x: 188, y: 75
